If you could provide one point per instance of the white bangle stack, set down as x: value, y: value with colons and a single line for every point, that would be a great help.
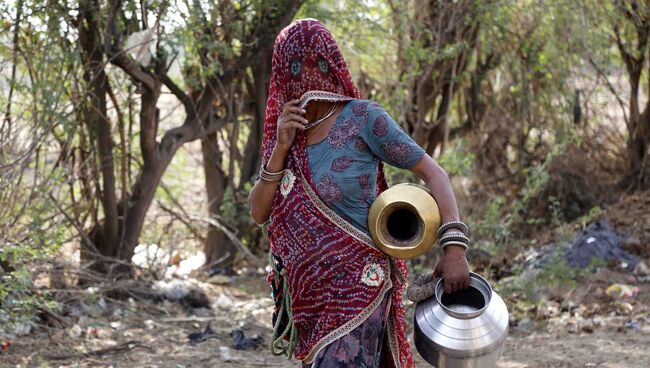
x: 458, y: 238
x: 269, y: 176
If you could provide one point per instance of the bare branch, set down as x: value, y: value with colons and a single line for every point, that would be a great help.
x: 118, y: 56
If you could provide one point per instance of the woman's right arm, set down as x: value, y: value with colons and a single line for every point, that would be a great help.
x: 261, y: 196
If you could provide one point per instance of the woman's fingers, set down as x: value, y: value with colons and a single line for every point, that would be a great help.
x: 446, y: 286
x: 294, y: 117
x: 293, y: 109
x: 292, y: 125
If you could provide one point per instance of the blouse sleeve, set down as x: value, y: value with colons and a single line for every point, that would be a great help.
x: 388, y: 141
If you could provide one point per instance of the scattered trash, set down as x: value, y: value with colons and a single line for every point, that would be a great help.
x: 241, y: 342
x: 172, y: 290
x: 183, y: 267
x: 182, y: 291
x: 598, y: 241
x: 622, y: 290
x: 632, y: 325
x: 150, y: 256
x: 197, y: 337
x: 5, y: 344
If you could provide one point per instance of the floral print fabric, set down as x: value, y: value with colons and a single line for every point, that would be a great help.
x: 362, y: 347
x: 345, y: 163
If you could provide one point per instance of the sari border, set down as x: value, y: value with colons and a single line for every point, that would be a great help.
x: 350, y: 325
x: 366, y: 240
x: 392, y: 340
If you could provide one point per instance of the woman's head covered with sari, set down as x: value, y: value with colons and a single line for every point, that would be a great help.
x: 305, y: 58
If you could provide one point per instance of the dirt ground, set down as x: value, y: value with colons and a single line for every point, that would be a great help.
x: 591, y: 332
x: 571, y: 327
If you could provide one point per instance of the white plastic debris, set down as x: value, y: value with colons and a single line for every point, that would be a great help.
x: 187, y: 266
x: 172, y: 290
x: 150, y: 256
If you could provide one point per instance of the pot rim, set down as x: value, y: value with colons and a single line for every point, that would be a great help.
x: 476, y: 281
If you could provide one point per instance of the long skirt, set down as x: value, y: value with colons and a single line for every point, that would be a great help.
x: 365, y: 346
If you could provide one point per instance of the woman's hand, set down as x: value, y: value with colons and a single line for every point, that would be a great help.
x: 453, y: 264
x: 454, y: 268
x: 289, y: 121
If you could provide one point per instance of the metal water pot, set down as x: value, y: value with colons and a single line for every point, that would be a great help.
x: 464, y: 329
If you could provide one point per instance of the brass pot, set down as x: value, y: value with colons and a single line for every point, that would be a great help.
x: 403, y: 220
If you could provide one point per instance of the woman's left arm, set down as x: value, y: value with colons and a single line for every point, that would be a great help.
x: 392, y: 145
x: 453, y: 263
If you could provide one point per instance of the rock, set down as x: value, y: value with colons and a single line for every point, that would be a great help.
x: 202, y: 312
x: 117, y: 313
x: 75, y: 331
x: 22, y: 329
x: 149, y: 324
x: 226, y: 354
x: 220, y: 280
x: 524, y: 325
x: 224, y: 302
x: 586, y: 325
x: 641, y: 269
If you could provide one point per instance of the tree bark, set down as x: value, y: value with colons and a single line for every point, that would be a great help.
x: 99, y: 126
x: 218, y: 248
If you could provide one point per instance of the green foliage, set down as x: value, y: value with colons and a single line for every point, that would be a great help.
x: 555, y: 273
x: 20, y: 301
x: 457, y: 159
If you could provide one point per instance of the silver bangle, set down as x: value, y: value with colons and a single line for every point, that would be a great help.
x: 448, y: 225
x: 454, y: 242
x: 454, y: 236
x: 270, y: 176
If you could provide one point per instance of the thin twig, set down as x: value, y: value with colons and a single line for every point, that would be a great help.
x: 125, y: 346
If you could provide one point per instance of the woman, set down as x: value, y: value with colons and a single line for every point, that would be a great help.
x: 338, y: 298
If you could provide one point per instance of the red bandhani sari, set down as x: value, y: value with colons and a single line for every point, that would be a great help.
x: 328, y: 276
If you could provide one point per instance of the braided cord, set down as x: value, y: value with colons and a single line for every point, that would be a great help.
x: 277, y: 345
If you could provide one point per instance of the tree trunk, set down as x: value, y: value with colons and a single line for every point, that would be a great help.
x: 95, y: 116
x: 252, y: 155
x: 144, y: 188
x: 219, y: 250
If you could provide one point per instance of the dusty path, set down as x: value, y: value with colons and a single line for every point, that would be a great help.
x: 160, y: 331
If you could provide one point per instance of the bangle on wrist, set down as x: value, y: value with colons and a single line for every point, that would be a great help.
x: 456, y: 243
x: 270, y: 176
x: 454, y: 236
x: 453, y: 224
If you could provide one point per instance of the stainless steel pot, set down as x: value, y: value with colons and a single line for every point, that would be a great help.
x: 464, y: 329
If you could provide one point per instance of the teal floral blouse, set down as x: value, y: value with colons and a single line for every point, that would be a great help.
x: 344, y: 164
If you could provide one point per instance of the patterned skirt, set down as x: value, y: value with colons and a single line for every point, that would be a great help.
x: 365, y: 346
